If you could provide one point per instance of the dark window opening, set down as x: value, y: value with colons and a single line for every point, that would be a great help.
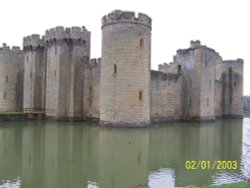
x: 210, y: 84
x: 27, y: 58
x: 4, y: 95
x: 115, y: 69
x: 6, y: 79
x: 30, y: 74
x: 141, y: 43
x: 55, y: 73
x: 84, y: 43
x: 140, y: 95
x: 55, y: 50
x: 179, y: 68
x: 190, y: 101
x: 234, y: 83
x: 207, y: 102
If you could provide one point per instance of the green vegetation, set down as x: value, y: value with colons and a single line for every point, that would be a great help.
x: 233, y: 185
x: 12, y: 113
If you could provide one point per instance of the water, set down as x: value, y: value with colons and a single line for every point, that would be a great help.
x: 53, y: 154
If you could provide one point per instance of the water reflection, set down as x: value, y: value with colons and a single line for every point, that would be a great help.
x: 62, y: 154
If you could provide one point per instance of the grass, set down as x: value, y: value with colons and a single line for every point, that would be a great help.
x: 18, y: 113
x: 232, y: 185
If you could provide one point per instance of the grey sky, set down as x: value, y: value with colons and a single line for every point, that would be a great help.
x: 219, y: 24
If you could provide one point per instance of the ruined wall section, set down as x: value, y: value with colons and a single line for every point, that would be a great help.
x: 91, y: 103
x: 11, y: 79
x: 232, y: 88
x: 34, y: 73
x: 67, y: 51
x: 166, y: 97
x: 125, y: 70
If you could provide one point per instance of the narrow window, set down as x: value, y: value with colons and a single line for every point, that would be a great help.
x: 55, y: 50
x: 191, y: 83
x: 207, y: 102
x: 55, y: 73
x: 190, y: 101
x: 4, y: 95
x: 31, y: 75
x: 84, y: 43
x: 6, y: 79
x: 90, y: 96
x: 115, y: 69
x: 234, y: 84
x: 141, y: 43
x: 179, y: 69
x: 210, y: 84
x: 140, y: 95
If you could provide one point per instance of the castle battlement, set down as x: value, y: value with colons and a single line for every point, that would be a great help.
x: 33, y: 41
x: 95, y: 62
x: 61, y: 33
x: 196, y: 45
x: 119, y: 16
x: 6, y: 49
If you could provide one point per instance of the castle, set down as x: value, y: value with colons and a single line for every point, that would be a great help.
x: 54, y: 73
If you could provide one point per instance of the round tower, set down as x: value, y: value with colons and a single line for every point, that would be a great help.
x: 34, y: 73
x: 11, y: 72
x: 125, y: 69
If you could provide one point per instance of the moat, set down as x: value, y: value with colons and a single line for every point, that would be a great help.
x: 71, y: 154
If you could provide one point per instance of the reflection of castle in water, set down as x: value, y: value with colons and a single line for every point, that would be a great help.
x: 73, y: 156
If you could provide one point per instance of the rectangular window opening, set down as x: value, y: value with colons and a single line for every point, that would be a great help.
x: 140, y: 95
x: 115, y: 69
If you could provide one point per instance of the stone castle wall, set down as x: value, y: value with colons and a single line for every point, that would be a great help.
x: 34, y: 73
x: 54, y: 74
x: 91, y: 103
x: 67, y: 51
x: 165, y: 96
x: 125, y: 70
x: 11, y: 73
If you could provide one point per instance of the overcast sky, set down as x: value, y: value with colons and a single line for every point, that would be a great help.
x: 220, y: 24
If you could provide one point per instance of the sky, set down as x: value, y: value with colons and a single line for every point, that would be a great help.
x: 219, y: 24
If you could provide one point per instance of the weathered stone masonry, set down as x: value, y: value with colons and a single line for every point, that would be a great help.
x: 54, y: 73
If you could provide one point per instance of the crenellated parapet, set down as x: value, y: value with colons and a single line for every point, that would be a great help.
x: 6, y: 49
x: 95, y: 63
x: 76, y: 35
x: 119, y: 16
x: 196, y: 45
x: 33, y: 42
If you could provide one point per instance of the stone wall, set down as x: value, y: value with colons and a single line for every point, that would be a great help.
x: 34, y: 74
x: 165, y: 96
x: 125, y: 69
x: 232, y: 88
x: 197, y: 65
x: 91, y: 103
x: 68, y: 49
x: 11, y: 79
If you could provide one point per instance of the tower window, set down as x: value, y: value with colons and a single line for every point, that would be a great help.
x: 141, y: 43
x: 115, y: 69
x: 55, y: 50
x: 190, y: 101
x: 55, y: 73
x: 6, y: 79
x: 210, y: 84
x: 140, y: 95
x: 84, y: 43
x: 31, y: 75
x: 4, y: 95
x: 179, y: 69
x: 207, y: 102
